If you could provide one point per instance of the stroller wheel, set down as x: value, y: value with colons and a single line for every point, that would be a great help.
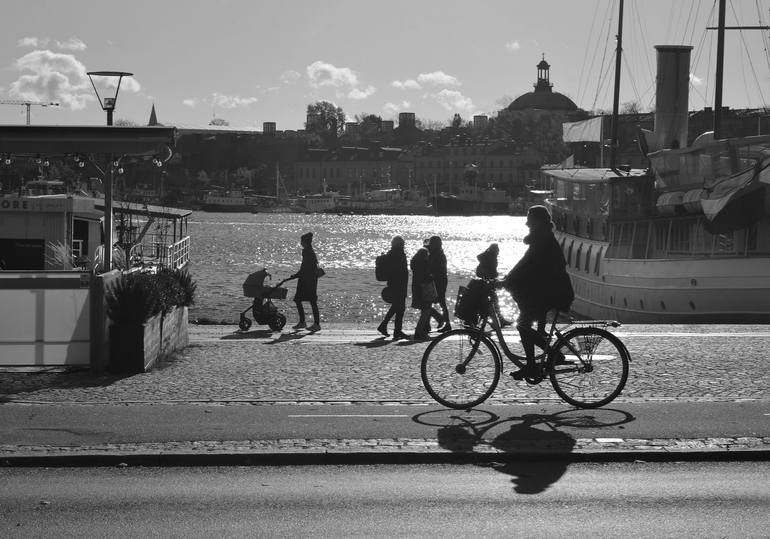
x: 277, y: 322
x: 244, y: 324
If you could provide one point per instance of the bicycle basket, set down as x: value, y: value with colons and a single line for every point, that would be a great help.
x: 471, y: 302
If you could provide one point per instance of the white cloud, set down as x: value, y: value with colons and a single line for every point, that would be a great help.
x: 695, y: 81
x: 72, y: 44
x: 438, y: 78
x: 409, y: 84
x: 50, y: 76
x: 452, y: 100
x: 272, y: 90
x: 231, y: 101
x: 344, y: 79
x: 32, y: 41
x: 358, y: 93
x: 191, y: 102
x: 325, y: 74
x: 290, y: 76
x: 392, y: 109
x: 512, y: 46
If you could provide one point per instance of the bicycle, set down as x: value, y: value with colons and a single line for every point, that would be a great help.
x: 587, y: 364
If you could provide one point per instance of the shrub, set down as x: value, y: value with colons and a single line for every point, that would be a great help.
x: 133, y: 298
x: 176, y: 288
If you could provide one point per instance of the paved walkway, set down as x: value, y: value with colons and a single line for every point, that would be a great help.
x: 345, y: 364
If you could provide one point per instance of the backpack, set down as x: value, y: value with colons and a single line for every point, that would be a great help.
x: 381, y: 270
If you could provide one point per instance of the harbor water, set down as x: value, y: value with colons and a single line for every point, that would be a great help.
x: 226, y: 247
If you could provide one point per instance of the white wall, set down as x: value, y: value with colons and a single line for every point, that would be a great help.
x: 44, y: 318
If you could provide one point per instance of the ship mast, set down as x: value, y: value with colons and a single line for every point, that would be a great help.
x: 616, y: 99
x: 719, y: 76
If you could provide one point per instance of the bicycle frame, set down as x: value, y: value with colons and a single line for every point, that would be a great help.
x: 493, y: 320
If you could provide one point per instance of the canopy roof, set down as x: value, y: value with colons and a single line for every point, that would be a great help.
x: 55, y: 140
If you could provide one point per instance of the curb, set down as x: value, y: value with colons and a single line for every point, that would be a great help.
x: 383, y: 451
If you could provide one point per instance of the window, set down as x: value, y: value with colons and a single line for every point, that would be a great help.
x: 577, y: 257
x: 598, y: 257
x: 588, y: 259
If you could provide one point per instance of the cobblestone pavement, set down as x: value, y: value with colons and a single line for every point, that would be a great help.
x: 311, y: 449
x: 347, y: 363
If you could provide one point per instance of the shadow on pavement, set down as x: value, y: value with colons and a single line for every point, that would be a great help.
x: 526, y: 436
x: 21, y: 383
x: 245, y: 335
x: 376, y: 343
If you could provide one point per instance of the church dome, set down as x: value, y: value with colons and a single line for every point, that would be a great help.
x: 543, y: 98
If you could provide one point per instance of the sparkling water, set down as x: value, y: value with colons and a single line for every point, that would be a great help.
x: 226, y: 247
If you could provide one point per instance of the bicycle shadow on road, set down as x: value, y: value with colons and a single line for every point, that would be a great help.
x: 532, y: 448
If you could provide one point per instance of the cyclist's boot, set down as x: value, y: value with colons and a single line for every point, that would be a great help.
x: 528, y: 371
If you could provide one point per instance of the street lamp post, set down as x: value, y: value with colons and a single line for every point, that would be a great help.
x: 108, y: 105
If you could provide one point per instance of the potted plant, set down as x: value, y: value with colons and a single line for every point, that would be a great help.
x: 177, y: 293
x: 134, y: 306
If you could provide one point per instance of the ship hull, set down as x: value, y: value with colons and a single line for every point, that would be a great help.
x: 728, y: 290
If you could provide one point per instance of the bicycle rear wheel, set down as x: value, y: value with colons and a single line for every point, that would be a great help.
x: 461, y: 368
x: 594, y: 370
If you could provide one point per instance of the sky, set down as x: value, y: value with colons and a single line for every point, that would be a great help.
x: 254, y: 61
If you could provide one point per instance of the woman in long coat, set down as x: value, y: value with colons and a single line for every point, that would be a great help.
x: 421, y: 278
x: 398, y: 281
x: 307, y: 284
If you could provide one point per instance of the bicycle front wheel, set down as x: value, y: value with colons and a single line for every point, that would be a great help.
x: 461, y: 368
x: 594, y: 368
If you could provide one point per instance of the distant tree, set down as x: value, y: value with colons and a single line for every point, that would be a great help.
x: 430, y: 125
x: 325, y: 119
x: 219, y: 121
x: 631, y: 107
x: 457, y: 121
x: 123, y: 122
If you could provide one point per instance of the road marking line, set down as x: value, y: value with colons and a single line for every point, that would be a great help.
x: 348, y: 415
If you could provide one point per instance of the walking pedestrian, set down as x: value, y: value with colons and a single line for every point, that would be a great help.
x: 438, y: 268
x: 487, y: 269
x: 307, y: 284
x: 398, y: 281
x: 423, y: 291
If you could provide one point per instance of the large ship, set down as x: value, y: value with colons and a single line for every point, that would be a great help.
x: 685, y: 241
x: 234, y: 200
x: 473, y: 199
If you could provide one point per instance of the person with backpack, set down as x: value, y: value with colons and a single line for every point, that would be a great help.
x: 392, y: 267
x: 538, y: 283
x: 487, y: 269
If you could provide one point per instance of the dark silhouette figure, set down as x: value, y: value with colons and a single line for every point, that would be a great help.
x: 422, y: 280
x: 487, y: 269
x: 307, y: 284
x: 539, y: 282
x: 438, y: 269
x: 398, y: 281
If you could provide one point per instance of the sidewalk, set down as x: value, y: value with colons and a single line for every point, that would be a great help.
x: 346, y: 394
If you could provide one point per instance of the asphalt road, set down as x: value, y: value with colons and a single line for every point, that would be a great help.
x: 75, y: 425
x: 528, y: 498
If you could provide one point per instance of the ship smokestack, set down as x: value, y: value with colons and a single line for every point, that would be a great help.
x: 671, y: 96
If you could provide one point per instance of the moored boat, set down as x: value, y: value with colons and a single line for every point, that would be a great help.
x: 686, y: 241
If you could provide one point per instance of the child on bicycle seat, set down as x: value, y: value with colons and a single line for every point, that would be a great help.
x: 538, y: 283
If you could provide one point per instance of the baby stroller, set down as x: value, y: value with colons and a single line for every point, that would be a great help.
x: 262, y: 307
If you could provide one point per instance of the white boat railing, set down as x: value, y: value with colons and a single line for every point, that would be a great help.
x: 161, y: 255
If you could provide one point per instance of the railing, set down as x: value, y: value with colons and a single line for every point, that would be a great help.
x: 160, y: 255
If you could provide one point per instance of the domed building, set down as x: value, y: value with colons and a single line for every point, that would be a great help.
x: 543, y: 98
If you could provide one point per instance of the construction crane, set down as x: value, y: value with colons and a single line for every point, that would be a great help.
x: 28, y: 104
